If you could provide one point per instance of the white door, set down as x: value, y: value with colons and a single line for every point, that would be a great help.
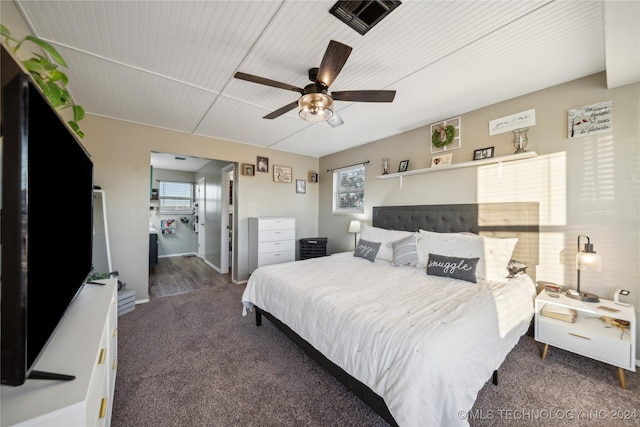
x: 226, y: 236
x: 201, y: 211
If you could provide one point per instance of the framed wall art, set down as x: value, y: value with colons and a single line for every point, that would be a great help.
x: 248, y: 169
x: 403, y: 166
x: 263, y: 164
x: 282, y: 174
x: 313, y: 177
x: 590, y: 120
x: 519, y: 120
x: 446, y: 135
x: 483, y: 153
x: 301, y: 186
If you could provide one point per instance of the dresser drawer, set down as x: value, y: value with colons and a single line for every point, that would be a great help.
x: 273, y: 235
x: 275, y: 257
x: 277, y: 223
x: 589, y: 337
x: 276, y: 246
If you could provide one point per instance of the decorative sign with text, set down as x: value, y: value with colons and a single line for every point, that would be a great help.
x: 590, y: 120
x: 523, y: 119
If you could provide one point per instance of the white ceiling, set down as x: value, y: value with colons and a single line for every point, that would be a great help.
x: 178, y: 162
x: 170, y: 64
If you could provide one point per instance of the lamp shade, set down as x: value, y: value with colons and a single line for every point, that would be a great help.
x: 354, y: 226
x: 588, y: 261
x: 315, y: 107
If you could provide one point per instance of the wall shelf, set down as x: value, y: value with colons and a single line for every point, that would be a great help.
x: 509, y: 158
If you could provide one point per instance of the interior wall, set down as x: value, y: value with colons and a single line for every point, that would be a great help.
x: 183, y: 241
x: 121, y: 155
x: 585, y: 186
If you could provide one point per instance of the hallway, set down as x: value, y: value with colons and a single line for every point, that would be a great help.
x: 181, y: 274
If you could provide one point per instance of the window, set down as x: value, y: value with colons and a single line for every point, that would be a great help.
x: 175, y: 197
x: 348, y: 190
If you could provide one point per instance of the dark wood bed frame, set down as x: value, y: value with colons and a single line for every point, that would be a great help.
x: 520, y: 219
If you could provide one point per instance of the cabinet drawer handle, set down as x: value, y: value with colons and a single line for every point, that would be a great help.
x: 579, y: 336
x: 103, y: 355
x: 276, y: 254
x: 103, y: 408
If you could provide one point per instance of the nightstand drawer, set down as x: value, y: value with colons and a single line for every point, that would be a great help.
x: 589, y: 337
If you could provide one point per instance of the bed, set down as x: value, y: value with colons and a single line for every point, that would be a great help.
x: 416, y: 347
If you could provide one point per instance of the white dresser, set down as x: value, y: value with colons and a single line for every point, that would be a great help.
x: 271, y: 240
x: 85, y: 345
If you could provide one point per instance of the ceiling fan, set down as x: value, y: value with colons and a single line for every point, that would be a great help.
x: 316, y: 104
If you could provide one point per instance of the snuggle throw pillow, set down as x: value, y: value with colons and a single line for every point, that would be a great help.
x: 367, y: 250
x: 453, y: 267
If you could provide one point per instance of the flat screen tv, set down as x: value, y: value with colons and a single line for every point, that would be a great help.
x: 47, y: 226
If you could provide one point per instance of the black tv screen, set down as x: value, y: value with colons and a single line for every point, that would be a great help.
x: 47, y: 225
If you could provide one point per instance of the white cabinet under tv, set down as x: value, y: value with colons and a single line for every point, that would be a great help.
x: 85, y: 345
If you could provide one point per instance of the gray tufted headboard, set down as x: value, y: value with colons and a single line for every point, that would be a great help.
x: 517, y: 219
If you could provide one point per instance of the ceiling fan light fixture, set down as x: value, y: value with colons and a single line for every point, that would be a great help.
x: 315, y: 107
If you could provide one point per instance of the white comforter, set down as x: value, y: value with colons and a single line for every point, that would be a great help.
x: 425, y: 344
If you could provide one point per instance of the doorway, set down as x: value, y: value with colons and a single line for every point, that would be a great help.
x: 201, y: 219
x: 211, y: 222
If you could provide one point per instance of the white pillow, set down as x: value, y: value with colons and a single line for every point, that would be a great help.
x: 385, y: 237
x: 497, y: 253
x: 405, y: 250
x: 494, y: 252
x: 450, y: 244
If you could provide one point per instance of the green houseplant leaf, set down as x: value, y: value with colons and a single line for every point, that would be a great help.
x: 47, y: 75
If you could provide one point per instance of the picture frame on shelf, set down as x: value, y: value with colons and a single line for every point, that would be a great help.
x: 313, y: 177
x: 404, y: 165
x: 248, y: 169
x: 441, y: 160
x: 263, y: 164
x: 282, y: 174
x: 483, y: 153
x: 301, y: 186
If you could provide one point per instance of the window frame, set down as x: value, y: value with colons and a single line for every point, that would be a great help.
x: 162, y: 196
x: 336, y: 209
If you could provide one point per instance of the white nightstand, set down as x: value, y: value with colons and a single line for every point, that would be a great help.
x: 589, y: 335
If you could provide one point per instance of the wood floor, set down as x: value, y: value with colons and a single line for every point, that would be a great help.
x: 180, y: 274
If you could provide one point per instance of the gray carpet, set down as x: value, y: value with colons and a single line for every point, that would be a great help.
x: 193, y: 360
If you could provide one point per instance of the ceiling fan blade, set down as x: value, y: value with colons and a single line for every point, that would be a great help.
x: 364, y: 95
x: 335, y: 120
x: 334, y: 59
x: 282, y: 110
x: 267, y: 82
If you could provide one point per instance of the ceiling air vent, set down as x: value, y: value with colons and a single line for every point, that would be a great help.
x: 363, y: 15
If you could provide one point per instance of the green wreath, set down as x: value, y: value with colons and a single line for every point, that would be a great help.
x: 436, y: 137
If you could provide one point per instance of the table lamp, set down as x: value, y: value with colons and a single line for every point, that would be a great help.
x: 586, y: 260
x: 354, y: 227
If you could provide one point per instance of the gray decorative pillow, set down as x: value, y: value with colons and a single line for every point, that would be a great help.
x: 516, y: 267
x: 367, y: 250
x: 405, y: 251
x: 453, y: 267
